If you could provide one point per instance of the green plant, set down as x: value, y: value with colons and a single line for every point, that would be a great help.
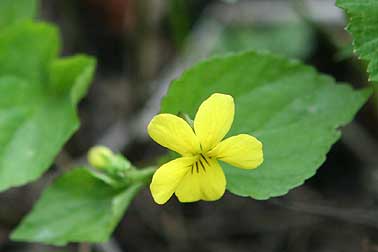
x: 292, y: 109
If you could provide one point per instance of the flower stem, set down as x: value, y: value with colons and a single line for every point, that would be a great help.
x: 141, y: 175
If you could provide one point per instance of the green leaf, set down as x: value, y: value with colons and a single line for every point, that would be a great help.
x: 363, y: 19
x: 27, y: 50
x: 13, y: 11
x: 72, y: 75
x: 292, y: 109
x: 38, y: 94
x: 76, y: 207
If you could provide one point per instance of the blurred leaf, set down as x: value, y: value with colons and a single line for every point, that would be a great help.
x: 76, y: 207
x: 363, y: 20
x: 72, y: 75
x: 293, y: 39
x: 37, y: 115
x: 292, y: 109
x: 27, y: 50
x: 13, y: 11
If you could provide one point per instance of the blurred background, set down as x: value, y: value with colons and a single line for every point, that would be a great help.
x: 141, y: 45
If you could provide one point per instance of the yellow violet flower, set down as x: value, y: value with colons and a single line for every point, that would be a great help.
x: 197, y: 175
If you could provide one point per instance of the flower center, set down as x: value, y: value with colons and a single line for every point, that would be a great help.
x: 202, y: 163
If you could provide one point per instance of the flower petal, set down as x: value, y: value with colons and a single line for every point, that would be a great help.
x: 214, y: 119
x: 173, y: 133
x: 168, y: 177
x: 206, y: 181
x: 243, y: 151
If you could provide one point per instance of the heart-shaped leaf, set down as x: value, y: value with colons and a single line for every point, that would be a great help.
x: 292, y: 109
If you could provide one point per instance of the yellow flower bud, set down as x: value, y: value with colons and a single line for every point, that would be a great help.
x: 100, y: 157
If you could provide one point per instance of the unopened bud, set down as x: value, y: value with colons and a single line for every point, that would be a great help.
x: 100, y: 157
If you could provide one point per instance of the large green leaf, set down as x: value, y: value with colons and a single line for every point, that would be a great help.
x: 38, y: 94
x: 76, y: 207
x: 27, y: 50
x: 292, y: 109
x: 13, y: 11
x: 363, y: 20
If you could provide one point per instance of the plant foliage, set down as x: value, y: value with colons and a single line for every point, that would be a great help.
x: 38, y: 94
x: 363, y: 19
x: 292, y: 109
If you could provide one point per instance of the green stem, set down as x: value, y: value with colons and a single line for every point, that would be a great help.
x: 142, y: 175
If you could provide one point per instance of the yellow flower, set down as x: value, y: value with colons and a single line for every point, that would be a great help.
x: 197, y: 175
